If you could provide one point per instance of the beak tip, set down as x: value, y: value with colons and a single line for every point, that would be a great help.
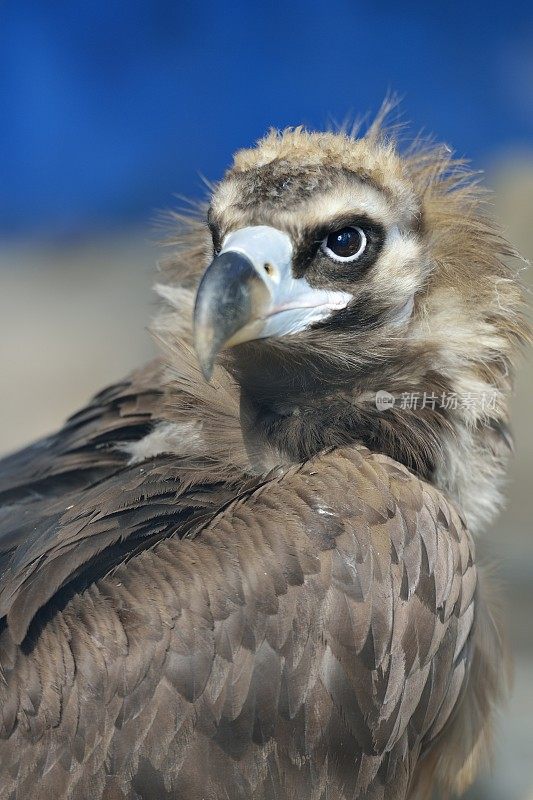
x: 207, y: 370
x: 206, y: 352
x: 205, y: 358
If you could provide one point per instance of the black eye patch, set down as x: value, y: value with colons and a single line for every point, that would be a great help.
x: 215, y: 232
x: 310, y: 240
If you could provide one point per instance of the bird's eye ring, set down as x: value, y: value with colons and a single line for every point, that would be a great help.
x: 346, y: 244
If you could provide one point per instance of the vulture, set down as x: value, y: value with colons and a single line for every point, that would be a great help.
x: 247, y: 571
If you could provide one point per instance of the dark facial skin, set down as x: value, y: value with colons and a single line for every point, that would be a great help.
x: 310, y: 261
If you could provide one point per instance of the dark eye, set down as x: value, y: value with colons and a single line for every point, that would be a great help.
x: 346, y: 244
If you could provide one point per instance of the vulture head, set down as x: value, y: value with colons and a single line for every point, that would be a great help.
x: 357, y: 294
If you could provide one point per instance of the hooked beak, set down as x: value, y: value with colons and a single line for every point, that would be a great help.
x: 248, y: 292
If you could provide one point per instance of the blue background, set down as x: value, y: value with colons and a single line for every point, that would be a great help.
x: 109, y: 108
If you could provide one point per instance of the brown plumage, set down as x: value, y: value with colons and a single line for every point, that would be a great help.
x: 262, y: 586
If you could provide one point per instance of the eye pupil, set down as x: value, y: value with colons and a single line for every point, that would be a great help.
x: 346, y: 242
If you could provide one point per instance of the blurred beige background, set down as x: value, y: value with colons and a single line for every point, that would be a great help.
x: 73, y: 318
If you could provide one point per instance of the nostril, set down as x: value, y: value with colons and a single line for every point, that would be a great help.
x: 272, y: 272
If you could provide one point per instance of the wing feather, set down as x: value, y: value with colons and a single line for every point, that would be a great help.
x: 317, y: 631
